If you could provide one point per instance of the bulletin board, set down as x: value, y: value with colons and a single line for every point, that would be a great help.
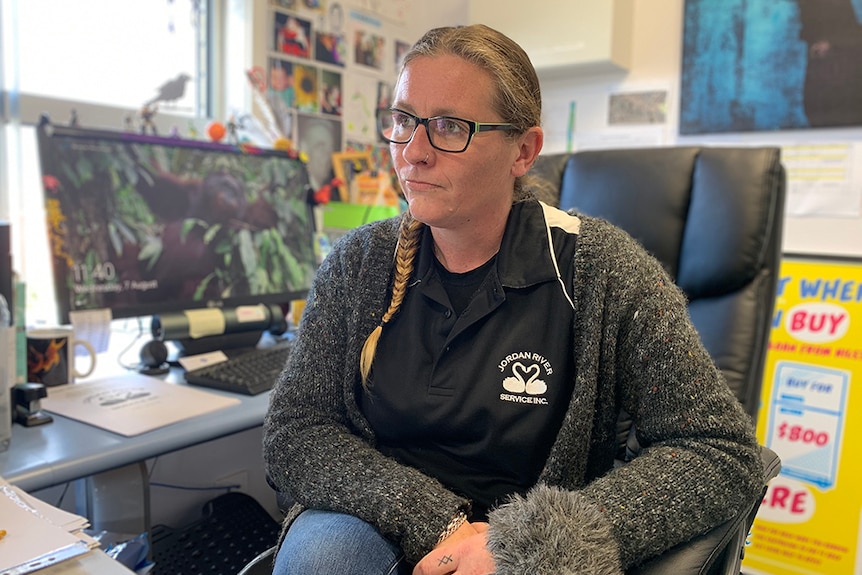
x: 329, y: 66
x: 809, y: 521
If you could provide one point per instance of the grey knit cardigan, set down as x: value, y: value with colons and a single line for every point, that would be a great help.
x: 634, y: 350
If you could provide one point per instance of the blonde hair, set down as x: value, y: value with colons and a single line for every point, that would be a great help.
x: 517, y: 99
x: 409, y: 232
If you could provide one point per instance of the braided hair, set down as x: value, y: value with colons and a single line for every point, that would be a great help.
x: 409, y: 232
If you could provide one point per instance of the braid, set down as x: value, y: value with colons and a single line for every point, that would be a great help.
x: 408, y: 244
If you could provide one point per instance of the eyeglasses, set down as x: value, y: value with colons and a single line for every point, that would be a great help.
x: 445, y: 133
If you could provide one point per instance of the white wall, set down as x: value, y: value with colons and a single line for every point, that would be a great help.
x: 657, y: 64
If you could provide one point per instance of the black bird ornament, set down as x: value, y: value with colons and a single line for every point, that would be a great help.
x: 171, y: 90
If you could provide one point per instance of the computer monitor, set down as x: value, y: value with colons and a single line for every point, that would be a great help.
x: 147, y: 225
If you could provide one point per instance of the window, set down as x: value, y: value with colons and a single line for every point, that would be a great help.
x: 98, y: 62
x: 121, y: 54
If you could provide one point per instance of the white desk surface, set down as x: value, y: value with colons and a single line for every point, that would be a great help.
x: 65, y: 449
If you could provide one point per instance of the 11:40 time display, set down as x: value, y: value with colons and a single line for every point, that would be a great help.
x: 103, y: 272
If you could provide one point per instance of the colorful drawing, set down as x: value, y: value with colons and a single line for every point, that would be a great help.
x: 292, y: 35
x: 305, y: 78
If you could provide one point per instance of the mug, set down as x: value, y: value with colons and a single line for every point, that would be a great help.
x: 51, y: 356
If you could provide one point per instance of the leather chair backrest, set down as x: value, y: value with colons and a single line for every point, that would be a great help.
x: 713, y: 216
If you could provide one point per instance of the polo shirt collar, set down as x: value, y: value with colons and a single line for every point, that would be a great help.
x: 524, y: 258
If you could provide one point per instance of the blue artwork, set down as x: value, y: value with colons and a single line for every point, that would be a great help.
x: 758, y: 65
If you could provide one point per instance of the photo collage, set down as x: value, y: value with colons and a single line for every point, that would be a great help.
x: 330, y: 65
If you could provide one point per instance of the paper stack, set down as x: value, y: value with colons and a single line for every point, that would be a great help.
x: 38, y: 535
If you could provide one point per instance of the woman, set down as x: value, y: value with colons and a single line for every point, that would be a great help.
x: 453, y: 409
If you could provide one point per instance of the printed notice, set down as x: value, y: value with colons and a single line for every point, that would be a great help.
x: 132, y: 404
x: 823, y: 180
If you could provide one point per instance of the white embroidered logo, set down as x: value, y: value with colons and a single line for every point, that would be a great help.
x: 525, y: 385
x: 532, y: 385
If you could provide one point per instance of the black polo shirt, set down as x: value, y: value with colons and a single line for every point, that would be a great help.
x: 476, y: 399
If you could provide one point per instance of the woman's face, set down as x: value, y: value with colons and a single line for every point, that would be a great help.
x: 454, y: 190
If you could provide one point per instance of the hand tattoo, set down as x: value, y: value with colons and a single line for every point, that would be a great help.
x: 445, y: 560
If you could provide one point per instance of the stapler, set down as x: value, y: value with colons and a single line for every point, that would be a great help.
x: 27, y: 406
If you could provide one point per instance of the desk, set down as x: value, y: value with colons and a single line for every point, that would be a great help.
x: 64, y: 450
x: 95, y: 562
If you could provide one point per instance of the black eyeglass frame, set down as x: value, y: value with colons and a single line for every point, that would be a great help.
x: 475, y: 128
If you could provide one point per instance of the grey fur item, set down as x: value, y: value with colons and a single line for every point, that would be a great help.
x: 576, y: 537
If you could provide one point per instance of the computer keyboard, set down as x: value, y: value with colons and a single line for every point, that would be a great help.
x: 249, y: 373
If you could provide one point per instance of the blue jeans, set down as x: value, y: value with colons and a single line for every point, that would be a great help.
x: 329, y: 543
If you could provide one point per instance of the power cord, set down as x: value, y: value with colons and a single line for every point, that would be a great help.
x: 137, y: 338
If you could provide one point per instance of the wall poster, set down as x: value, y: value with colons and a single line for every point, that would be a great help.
x: 755, y: 65
x: 810, y: 415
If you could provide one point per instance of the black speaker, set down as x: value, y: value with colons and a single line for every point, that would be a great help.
x: 154, y: 358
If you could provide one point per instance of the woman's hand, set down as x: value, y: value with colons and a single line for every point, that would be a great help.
x: 465, y: 552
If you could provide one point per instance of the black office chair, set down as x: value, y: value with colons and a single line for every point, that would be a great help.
x: 260, y: 565
x: 714, y: 218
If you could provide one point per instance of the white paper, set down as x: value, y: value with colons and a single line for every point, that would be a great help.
x: 823, y: 179
x: 131, y: 404
x: 192, y: 362
x: 94, y: 326
x: 611, y: 138
x: 204, y: 322
x: 69, y: 521
x: 32, y: 541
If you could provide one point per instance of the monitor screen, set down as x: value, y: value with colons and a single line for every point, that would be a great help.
x: 144, y: 225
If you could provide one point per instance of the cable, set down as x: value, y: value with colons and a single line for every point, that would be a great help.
x: 62, y: 496
x: 128, y: 347
x: 152, y: 469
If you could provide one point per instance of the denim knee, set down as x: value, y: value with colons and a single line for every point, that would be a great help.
x: 325, y: 542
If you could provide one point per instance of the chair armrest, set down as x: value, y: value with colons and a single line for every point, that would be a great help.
x: 260, y: 565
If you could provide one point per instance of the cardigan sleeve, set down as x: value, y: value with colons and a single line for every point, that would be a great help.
x: 700, y: 464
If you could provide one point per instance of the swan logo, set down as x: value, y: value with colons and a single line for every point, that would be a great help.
x: 525, y: 384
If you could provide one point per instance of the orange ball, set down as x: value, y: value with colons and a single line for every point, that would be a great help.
x: 216, y: 131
